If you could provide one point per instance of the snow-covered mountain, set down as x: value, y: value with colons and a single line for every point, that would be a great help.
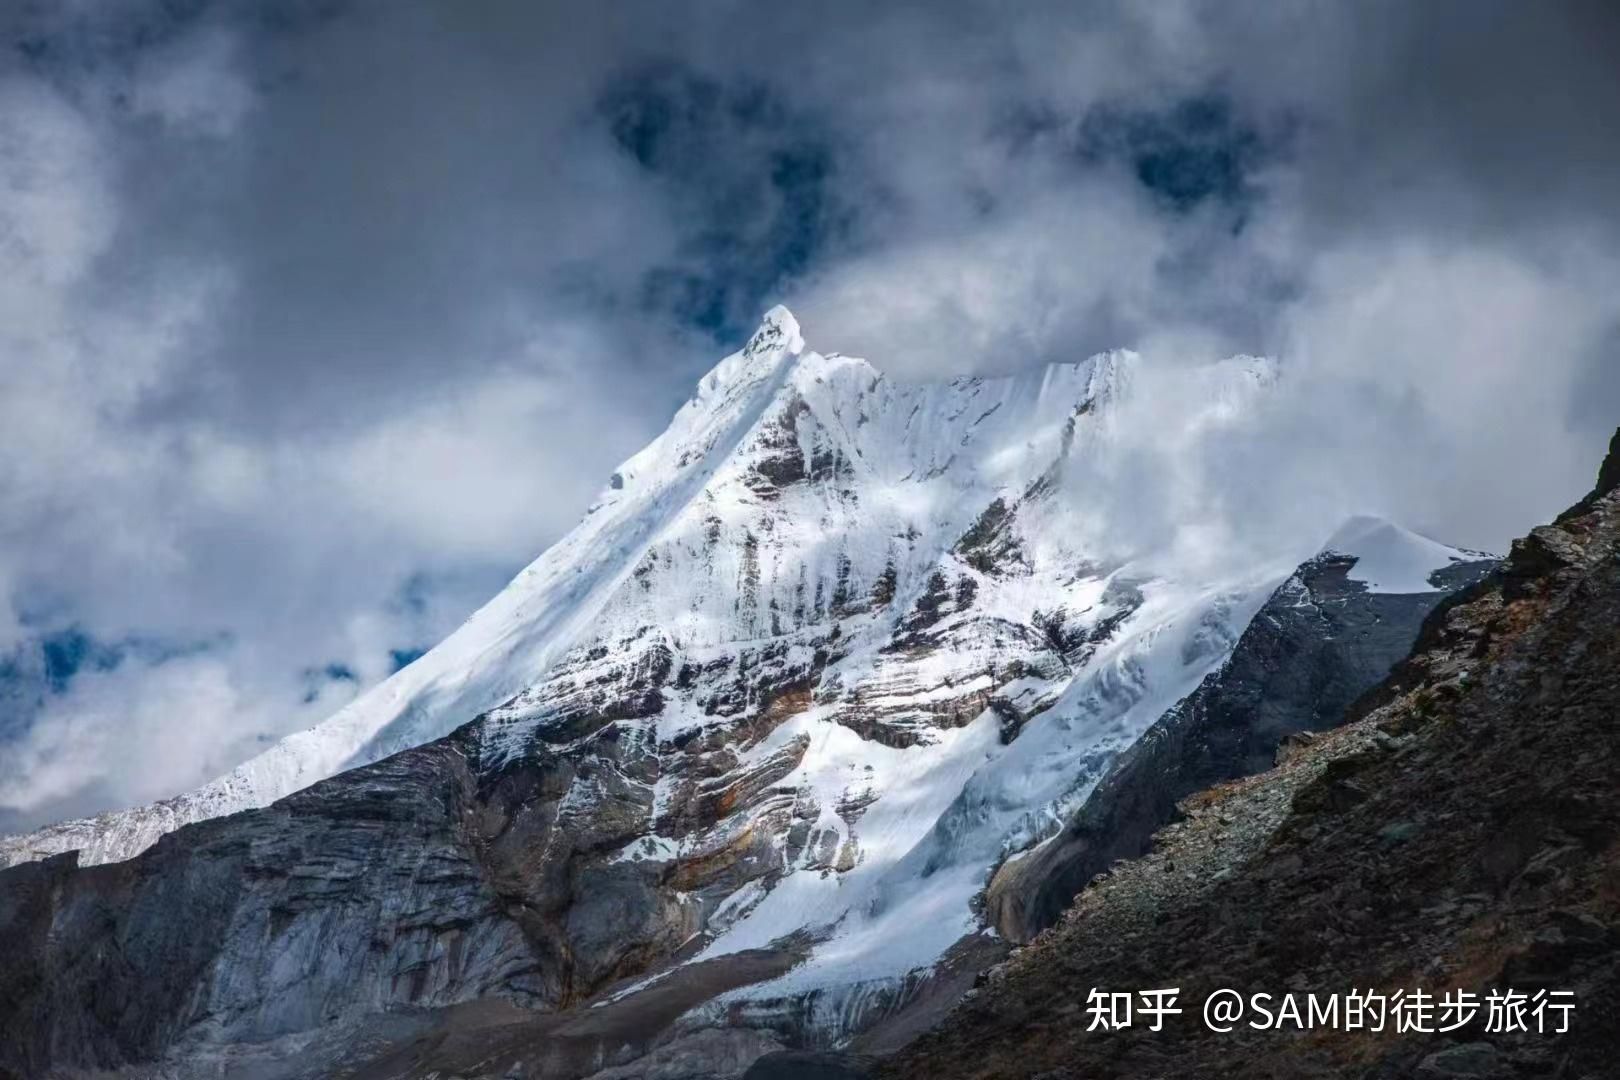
x: 791, y: 490
x: 818, y: 661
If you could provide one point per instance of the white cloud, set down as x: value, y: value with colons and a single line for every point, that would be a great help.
x: 1027, y: 286
x: 193, y: 85
x: 55, y: 205
x: 138, y: 733
x: 126, y: 516
x: 1444, y: 376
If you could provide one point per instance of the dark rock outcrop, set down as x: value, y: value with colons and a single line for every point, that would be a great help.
x: 1608, y: 477
x: 1319, y: 643
x: 372, y: 890
x: 808, y: 1065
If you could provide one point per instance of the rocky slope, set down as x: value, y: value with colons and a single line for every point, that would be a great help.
x: 1463, y: 833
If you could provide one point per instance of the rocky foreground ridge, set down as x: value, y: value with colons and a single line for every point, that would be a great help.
x: 1462, y: 833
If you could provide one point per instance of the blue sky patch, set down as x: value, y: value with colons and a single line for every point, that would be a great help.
x: 47, y: 665
x: 1197, y: 151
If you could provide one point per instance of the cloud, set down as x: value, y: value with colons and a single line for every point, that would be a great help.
x: 126, y: 736
x: 141, y: 500
x: 1056, y: 277
x: 193, y: 85
x: 317, y: 320
x: 1451, y: 361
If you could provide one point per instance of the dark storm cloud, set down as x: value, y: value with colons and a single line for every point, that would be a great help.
x: 754, y: 180
x: 1494, y: 115
x: 318, y: 319
x: 1195, y: 150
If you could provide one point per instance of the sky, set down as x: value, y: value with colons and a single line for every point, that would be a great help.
x: 321, y: 318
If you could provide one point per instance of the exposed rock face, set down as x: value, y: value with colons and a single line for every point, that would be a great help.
x: 1462, y: 835
x: 420, y: 883
x: 807, y: 1065
x: 1609, y: 473
x: 362, y: 894
x: 1320, y: 642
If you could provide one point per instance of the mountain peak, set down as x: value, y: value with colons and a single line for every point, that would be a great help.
x: 778, y: 338
x: 1390, y: 559
x: 778, y: 320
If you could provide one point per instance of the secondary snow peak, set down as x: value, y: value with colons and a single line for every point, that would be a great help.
x: 1390, y: 559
